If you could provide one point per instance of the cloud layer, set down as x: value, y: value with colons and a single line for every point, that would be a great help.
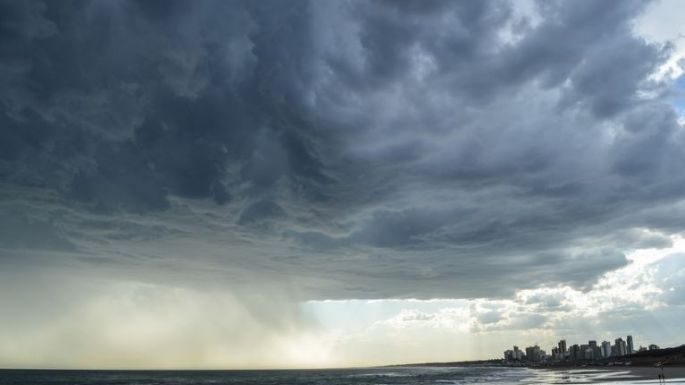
x: 336, y: 149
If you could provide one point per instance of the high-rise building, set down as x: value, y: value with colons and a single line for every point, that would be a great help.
x: 606, y: 349
x: 630, y: 345
x: 596, y: 351
x: 518, y: 354
x: 534, y: 353
x: 562, y: 348
x: 574, y: 352
x: 584, y: 355
x: 621, y: 348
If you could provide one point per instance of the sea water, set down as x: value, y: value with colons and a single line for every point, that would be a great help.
x: 369, y: 376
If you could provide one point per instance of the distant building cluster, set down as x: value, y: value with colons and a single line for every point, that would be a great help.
x: 585, y: 352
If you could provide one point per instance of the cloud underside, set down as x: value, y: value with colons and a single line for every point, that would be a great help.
x: 335, y: 149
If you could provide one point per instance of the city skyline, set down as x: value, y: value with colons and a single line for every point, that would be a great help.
x: 592, y: 351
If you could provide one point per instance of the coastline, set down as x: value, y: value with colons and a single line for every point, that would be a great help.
x: 617, y: 373
x: 453, y: 374
x: 583, y: 374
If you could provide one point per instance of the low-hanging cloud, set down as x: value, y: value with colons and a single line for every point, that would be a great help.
x: 112, y: 325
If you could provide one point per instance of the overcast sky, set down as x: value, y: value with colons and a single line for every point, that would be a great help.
x: 328, y: 183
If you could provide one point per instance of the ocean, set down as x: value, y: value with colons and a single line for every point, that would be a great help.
x: 368, y: 376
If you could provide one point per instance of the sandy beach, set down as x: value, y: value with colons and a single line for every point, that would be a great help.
x: 650, y: 372
x: 673, y: 374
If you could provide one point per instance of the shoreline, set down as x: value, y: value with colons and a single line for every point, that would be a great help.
x: 621, y: 373
x: 584, y: 374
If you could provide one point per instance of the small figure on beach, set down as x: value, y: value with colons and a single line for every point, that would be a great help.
x: 661, y: 376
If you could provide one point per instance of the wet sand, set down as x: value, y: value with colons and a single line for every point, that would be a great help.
x: 646, y: 372
x: 603, y: 374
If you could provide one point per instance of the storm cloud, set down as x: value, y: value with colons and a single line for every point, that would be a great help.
x: 336, y: 150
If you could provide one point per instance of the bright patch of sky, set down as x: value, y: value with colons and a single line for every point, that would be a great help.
x: 662, y: 22
x: 679, y: 98
x: 636, y: 294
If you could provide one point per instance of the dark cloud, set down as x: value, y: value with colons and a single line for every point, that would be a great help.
x: 260, y: 211
x: 19, y: 232
x: 353, y: 149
